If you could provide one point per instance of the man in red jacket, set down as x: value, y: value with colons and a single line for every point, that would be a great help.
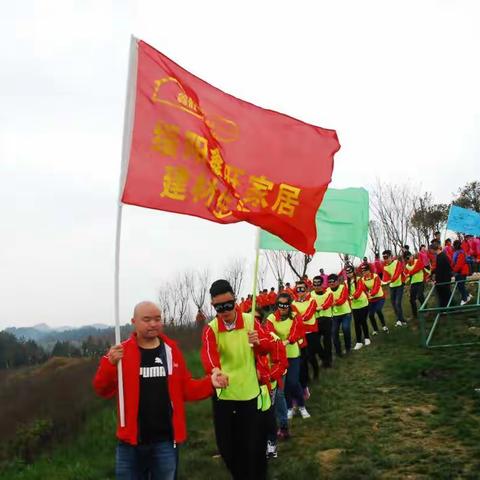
x: 461, y: 270
x: 156, y: 383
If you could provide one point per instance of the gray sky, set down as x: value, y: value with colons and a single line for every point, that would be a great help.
x: 398, y: 81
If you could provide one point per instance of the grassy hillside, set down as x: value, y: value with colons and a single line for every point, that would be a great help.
x: 389, y: 411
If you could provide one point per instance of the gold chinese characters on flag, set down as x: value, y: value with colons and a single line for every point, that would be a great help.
x: 199, y: 151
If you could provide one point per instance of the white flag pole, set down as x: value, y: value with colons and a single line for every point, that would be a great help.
x: 126, y: 144
x: 255, y: 271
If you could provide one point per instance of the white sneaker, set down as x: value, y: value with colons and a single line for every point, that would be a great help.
x: 358, y: 346
x: 463, y: 302
x: 385, y: 328
x: 374, y: 333
x: 290, y: 413
x: 271, y: 450
x: 367, y: 342
x: 398, y: 323
x: 303, y: 412
x: 404, y: 324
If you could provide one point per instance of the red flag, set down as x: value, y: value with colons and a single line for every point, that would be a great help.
x: 199, y: 151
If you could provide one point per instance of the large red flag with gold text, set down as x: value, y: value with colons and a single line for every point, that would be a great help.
x: 199, y: 151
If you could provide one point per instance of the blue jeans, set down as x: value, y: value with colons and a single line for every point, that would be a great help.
x: 460, y: 279
x: 345, y: 321
x: 156, y: 461
x: 281, y: 406
x: 293, y: 389
x: 396, y: 295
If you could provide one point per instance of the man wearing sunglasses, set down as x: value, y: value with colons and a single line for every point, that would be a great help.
x: 393, y: 275
x: 323, y: 296
x: 307, y: 307
x: 234, y: 342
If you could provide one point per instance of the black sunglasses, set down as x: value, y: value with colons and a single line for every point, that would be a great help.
x: 283, y: 305
x: 319, y: 284
x: 224, y: 306
x: 301, y: 289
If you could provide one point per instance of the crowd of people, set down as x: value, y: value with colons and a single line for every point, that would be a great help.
x: 259, y: 367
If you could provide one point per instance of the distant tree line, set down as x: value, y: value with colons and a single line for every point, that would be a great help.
x: 16, y: 353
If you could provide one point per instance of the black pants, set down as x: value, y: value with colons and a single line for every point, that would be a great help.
x: 443, y: 294
x: 310, y: 358
x: 416, y: 293
x: 360, y: 318
x: 325, y: 340
x: 241, y: 438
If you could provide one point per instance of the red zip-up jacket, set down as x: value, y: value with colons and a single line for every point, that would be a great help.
x: 181, y: 387
x: 360, y: 288
x: 272, y: 367
x: 396, y: 274
x: 417, y: 267
x: 377, y: 284
x: 460, y: 264
x: 344, y: 297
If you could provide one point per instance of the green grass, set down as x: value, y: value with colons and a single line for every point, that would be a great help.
x: 390, y: 411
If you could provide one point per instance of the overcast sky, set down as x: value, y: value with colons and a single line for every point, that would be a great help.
x: 399, y: 81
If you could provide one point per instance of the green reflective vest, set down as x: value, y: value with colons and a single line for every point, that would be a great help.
x: 282, y: 329
x: 391, y: 270
x: 320, y: 299
x: 416, y: 277
x: 342, y: 309
x: 237, y: 360
x: 361, y: 301
x: 369, y: 284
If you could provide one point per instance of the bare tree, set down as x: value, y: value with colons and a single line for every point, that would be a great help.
x: 167, y: 303
x: 277, y: 262
x: 234, y: 273
x: 174, y: 299
x: 262, y: 273
x: 298, y: 262
x: 392, y: 207
x: 375, y: 235
x: 199, y: 283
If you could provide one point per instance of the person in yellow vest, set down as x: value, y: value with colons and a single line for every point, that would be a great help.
x: 376, y: 297
x: 324, y: 299
x: 414, y: 271
x: 342, y: 314
x: 286, y: 322
x: 393, y: 276
x: 359, y: 304
x: 307, y: 308
x: 232, y: 342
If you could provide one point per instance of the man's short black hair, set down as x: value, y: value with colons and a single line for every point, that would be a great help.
x: 300, y: 282
x: 221, y: 286
x: 407, y: 255
x: 387, y: 252
x: 317, y: 278
x: 333, y: 277
x: 457, y: 245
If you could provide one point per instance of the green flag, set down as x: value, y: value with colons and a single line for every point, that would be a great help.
x: 342, y: 224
